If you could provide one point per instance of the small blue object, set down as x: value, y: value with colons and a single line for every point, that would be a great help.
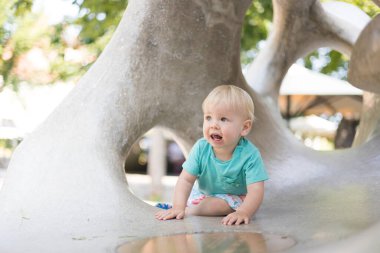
x: 165, y: 206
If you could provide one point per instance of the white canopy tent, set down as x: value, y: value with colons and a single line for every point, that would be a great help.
x: 305, y: 92
x: 313, y: 125
x: 302, y: 81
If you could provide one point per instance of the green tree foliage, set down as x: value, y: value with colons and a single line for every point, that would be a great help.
x: 71, y: 57
x: 367, y: 6
x: 256, y: 27
x: 11, y: 12
x: 98, y: 19
x: 34, y: 51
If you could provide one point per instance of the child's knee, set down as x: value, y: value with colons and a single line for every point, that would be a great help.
x: 210, y: 206
x: 218, y: 206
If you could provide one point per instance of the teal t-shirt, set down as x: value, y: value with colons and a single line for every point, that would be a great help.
x: 225, y: 177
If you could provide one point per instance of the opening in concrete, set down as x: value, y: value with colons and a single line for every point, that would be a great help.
x: 238, y: 242
x: 319, y: 106
x: 152, y: 166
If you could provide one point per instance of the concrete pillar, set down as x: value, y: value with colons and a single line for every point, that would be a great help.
x: 157, y: 162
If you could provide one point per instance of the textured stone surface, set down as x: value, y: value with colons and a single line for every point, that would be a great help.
x: 65, y: 189
x: 300, y: 28
x: 364, y: 71
x: 369, y: 119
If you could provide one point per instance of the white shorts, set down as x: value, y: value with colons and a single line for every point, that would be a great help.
x: 234, y: 201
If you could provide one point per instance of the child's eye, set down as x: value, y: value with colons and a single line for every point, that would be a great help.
x: 208, y: 118
x: 224, y: 119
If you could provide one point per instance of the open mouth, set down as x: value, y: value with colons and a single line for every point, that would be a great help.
x: 216, y: 137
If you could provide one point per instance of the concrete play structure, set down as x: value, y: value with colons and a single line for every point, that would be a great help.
x: 65, y: 188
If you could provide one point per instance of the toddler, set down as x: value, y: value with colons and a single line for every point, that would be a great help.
x: 228, y: 168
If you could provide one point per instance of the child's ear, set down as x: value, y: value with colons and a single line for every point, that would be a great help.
x: 247, y: 125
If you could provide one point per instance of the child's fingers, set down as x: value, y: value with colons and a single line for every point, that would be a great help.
x: 242, y: 220
x: 228, y: 220
x: 180, y: 216
x: 161, y: 215
x: 158, y: 214
x: 166, y: 215
x: 238, y: 221
x: 232, y: 219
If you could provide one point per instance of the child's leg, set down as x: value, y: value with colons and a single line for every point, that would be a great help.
x: 210, y: 206
x: 214, y: 205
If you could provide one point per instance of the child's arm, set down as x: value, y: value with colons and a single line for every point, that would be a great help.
x: 250, y: 205
x: 181, y: 194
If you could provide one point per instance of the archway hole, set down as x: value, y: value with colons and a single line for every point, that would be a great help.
x: 318, y: 105
x: 153, y: 165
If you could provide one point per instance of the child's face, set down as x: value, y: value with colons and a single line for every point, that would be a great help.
x: 223, y: 126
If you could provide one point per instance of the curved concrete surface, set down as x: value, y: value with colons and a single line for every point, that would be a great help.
x: 298, y: 29
x: 364, y: 72
x: 65, y: 189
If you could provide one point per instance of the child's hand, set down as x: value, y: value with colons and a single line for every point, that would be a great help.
x: 170, y: 214
x: 237, y: 218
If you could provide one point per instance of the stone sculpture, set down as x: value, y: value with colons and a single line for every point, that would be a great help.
x: 66, y: 191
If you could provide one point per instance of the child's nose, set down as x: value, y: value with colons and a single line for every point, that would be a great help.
x: 214, y: 124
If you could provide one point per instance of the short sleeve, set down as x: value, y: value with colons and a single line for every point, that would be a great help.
x: 191, y: 164
x: 255, y: 170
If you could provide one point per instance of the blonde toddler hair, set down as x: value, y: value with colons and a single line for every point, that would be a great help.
x: 233, y: 96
